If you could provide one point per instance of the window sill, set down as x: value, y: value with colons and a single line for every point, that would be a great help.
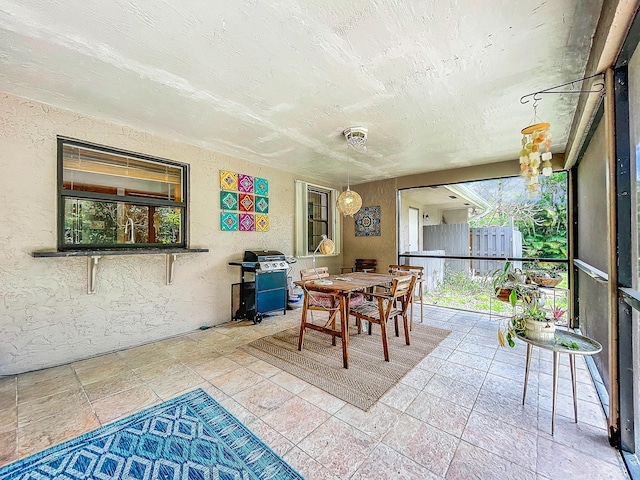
x: 94, y: 255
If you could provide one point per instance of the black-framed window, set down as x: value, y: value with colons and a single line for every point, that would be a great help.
x: 110, y: 198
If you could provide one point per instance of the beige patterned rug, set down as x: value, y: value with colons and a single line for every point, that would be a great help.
x: 368, y: 376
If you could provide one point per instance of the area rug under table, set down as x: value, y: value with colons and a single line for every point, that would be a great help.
x: 368, y: 377
x: 188, y: 437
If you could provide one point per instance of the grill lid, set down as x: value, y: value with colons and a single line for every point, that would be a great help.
x: 263, y: 255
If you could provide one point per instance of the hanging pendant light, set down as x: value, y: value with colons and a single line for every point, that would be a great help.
x: 349, y: 202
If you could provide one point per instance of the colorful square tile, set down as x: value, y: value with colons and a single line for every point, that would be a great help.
x: 260, y: 186
x: 246, y: 202
x: 368, y: 222
x: 228, y: 221
x: 247, y: 223
x: 228, y: 180
x: 228, y: 200
x: 262, y: 204
x: 262, y: 223
x: 245, y: 183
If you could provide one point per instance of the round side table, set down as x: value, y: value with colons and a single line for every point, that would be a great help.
x: 586, y: 346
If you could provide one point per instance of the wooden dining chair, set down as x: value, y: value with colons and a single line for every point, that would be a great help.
x: 417, y: 271
x: 383, y: 307
x: 321, y: 301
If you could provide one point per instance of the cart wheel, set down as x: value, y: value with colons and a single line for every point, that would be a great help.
x: 257, y: 319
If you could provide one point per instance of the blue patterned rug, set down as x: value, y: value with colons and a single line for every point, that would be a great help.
x: 189, y: 437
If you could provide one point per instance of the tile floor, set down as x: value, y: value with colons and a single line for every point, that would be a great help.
x: 457, y: 415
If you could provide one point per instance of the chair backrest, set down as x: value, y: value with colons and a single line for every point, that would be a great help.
x: 314, y: 273
x: 406, y: 270
x: 402, y: 286
x: 368, y: 264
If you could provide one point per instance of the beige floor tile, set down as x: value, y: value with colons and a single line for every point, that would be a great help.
x: 508, y: 410
x: 263, y: 397
x: 289, y: 382
x: 475, y: 361
x: 8, y: 391
x: 116, y: 406
x: 45, y: 388
x: 557, y: 463
x: 8, y: 419
x: 66, y: 402
x: 307, y: 466
x: 63, y: 372
x: 339, y: 447
x: 101, y: 360
x: 263, y: 368
x: 235, y: 409
x: 322, y: 399
x: 267, y: 434
x: 579, y: 436
x: 384, y: 462
x: 96, y: 373
x: 236, y: 380
x: 588, y: 412
x: 8, y: 447
x: 417, y: 378
x: 241, y: 358
x: 400, y: 396
x: 474, y: 462
x: 439, y: 413
x: 161, y: 369
x: 38, y: 435
x: 112, y: 385
x: 211, y: 368
x: 175, y: 383
x: 376, y: 422
x: 516, y: 444
x: 295, y: 418
x: 145, y: 355
x: 450, y: 389
x: 422, y: 443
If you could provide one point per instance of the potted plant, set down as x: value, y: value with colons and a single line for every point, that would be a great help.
x: 529, y: 317
x: 506, y: 282
x: 544, y: 278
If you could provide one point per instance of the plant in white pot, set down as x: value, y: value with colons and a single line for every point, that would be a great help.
x: 528, y: 319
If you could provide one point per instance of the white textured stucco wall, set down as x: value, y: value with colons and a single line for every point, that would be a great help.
x: 46, y: 316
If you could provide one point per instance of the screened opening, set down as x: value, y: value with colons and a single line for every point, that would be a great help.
x: 469, y: 230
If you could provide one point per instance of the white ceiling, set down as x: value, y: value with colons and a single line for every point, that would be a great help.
x: 437, y: 83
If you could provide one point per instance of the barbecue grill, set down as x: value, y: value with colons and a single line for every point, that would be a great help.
x: 263, y: 285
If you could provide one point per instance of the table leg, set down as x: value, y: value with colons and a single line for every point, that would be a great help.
x: 526, y: 371
x: 572, y: 365
x: 344, y: 327
x: 556, y: 361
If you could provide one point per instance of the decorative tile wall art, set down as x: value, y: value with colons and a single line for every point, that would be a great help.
x: 262, y: 223
x: 246, y: 202
x: 247, y: 222
x: 228, y: 180
x: 240, y: 196
x: 368, y: 222
x: 228, y: 222
x: 260, y: 186
x: 228, y: 200
x: 245, y: 183
x: 262, y: 204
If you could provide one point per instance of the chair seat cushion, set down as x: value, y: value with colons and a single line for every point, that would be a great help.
x: 370, y: 309
x: 325, y: 300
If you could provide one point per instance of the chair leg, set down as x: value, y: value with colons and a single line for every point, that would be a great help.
x: 302, y: 325
x: 385, y: 346
x: 406, y: 330
x: 395, y: 322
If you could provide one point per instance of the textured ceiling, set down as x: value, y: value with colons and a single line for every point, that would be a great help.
x: 437, y: 83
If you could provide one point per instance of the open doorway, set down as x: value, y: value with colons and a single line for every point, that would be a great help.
x: 467, y: 230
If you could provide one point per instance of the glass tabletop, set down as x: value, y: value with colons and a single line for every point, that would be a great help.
x: 564, y: 341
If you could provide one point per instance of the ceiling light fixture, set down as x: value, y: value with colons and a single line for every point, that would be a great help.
x: 349, y: 202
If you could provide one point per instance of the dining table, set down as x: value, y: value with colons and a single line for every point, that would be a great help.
x: 342, y: 286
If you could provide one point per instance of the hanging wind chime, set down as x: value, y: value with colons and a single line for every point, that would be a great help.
x: 535, y: 156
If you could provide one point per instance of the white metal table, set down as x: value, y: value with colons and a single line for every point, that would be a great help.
x: 586, y: 346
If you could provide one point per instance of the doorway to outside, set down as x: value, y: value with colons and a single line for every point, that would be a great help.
x: 469, y: 229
